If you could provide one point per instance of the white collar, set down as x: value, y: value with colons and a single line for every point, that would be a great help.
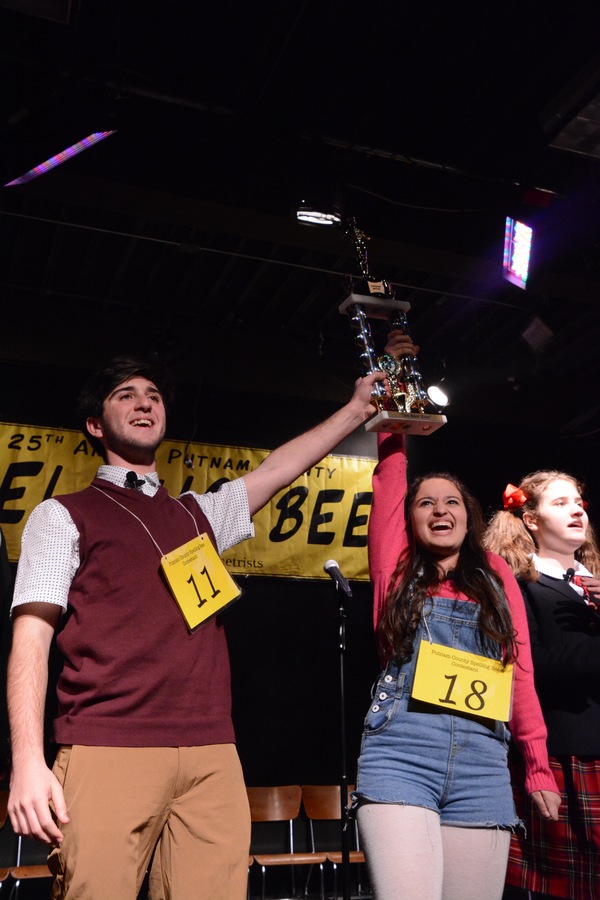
x: 117, y: 475
x: 555, y: 570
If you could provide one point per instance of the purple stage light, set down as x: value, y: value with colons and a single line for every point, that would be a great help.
x: 62, y: 157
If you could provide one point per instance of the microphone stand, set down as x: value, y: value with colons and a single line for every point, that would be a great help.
x: 345, y: 817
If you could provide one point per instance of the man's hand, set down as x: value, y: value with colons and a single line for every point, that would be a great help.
x: 547, y: 803
x: 34, y: 790
x: 362, y: 398
x: 34, y: 793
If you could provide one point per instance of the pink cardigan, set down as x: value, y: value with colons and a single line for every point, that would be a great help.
x: 387, y: 539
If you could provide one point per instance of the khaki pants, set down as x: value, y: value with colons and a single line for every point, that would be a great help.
x: 180, y: 812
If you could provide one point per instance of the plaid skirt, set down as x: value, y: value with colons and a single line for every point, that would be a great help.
x: 559, y: 858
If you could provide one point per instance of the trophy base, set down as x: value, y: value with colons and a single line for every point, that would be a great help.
x: 405, y: 423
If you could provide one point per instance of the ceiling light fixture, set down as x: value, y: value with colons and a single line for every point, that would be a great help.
x: 537, y: 335
x: 315, y: 214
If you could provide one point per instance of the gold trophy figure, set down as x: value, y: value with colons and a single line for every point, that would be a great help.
x: 404, y: 409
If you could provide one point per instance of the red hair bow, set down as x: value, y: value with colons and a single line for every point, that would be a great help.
x: 514, y: 497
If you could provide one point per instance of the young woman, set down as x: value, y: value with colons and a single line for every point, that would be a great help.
x: 433, y: 796
x: 544, y: 535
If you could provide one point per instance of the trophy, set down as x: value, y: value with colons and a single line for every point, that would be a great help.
x: 403, y: 410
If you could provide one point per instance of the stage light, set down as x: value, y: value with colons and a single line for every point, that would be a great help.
x: 437, y: 396
x: 60, y: 158
x: 315, y: 214
x: 518, y: 239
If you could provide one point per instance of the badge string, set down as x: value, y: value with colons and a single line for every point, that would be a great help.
x: 146, y: 529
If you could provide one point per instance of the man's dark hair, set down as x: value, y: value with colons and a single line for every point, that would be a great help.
x: 113, y: 373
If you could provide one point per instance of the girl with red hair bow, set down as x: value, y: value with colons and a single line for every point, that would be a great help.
x: 544, y: 535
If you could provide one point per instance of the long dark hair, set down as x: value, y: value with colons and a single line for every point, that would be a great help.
x: 417, y: 573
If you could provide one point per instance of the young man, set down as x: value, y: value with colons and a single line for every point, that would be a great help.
x: 147, y: 775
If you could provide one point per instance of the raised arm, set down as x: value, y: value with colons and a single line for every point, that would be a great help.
x: 34, y: 789
x: 289, y: 461
x: 387, y: 524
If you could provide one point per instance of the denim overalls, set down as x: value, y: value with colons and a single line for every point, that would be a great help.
x: 420, y: 755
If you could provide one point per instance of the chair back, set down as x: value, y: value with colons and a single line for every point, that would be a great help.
x: 324, y: 811
x: 274, y: 804
x: 322, y: 801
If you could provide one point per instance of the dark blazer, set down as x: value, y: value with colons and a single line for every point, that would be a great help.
x: 565, y: 644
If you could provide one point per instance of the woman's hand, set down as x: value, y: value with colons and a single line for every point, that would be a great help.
x: 399, y: 345
x: 547, y: 803
x: 593, y: 586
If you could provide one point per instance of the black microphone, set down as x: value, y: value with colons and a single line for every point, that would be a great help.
x: 333, y: 570
x: 133, y: 481
x: 569, y: 575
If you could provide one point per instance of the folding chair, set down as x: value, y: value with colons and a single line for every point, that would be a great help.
x: 250, y: 864
x: 322, y: 804
x: 280, y: 804
x: 30, y: 863
x: 8, y: 840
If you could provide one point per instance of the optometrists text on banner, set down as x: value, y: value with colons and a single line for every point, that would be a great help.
x: 322, y: 515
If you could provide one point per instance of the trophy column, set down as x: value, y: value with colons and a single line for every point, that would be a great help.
x: 404, y: 409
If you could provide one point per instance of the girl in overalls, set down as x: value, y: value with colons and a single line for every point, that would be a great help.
x: 433, y: 797
x: 544, y: 534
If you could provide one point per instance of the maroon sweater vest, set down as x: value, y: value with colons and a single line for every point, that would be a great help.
x: 133, y: 675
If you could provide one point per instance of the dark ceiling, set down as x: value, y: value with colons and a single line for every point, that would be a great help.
x: 428, y: 122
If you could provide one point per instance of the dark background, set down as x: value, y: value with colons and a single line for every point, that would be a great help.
x: 429, y: 122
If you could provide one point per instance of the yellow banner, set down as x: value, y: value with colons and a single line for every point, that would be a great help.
x: 322, y: 515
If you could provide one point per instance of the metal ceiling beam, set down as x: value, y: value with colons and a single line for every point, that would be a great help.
x: 131, y: 201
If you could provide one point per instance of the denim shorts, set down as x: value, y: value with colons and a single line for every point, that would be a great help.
x: 418, y: 754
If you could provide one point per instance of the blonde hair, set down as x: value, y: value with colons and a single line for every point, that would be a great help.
x: 508, y: 536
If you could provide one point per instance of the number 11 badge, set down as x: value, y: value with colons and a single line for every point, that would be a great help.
x: 198, y: 580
